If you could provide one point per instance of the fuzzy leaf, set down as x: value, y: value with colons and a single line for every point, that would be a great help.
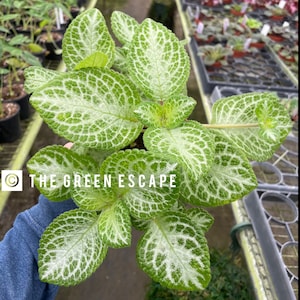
x: 92, y: 106
x: 52, y: 166
x: 86, y: 35
x: 230, y: 178
x: 115, y: 225
x: 35, y: 77
x: 71, y: 248
x: 157, y: 61
x: 190, y: 144
x: 169, y: 114
x: 136, y: 176
x: 264, y: 109
x: 123, y: 26
x: 175, y: 254
x: 95, y: 60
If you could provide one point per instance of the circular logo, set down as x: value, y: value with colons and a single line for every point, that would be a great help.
x: 11, y: 180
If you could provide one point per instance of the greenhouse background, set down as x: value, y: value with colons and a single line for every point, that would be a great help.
x: 258, y: 234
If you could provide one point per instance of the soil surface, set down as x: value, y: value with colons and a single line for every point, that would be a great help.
x: 119, y: 277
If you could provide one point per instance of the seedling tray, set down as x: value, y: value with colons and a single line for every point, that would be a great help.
x: 274, y: 217
x: 258, y: 71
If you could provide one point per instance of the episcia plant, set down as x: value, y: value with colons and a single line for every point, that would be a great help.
x: 137, y: 160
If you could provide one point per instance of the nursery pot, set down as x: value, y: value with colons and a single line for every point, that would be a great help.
x: 214, y: 66
x: 258, y: 45
x: 10, y: 128
x: 276, y: 37
x: 52, y: 46
x: 20, y: 97
x: 239, y: 53
x: 236, y: 13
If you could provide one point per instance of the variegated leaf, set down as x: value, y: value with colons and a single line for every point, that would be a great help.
x: 170, y: 114
x: 190, y: 144
x: 95, y: 60
x: 123, y: 26
x: 271, y: 123
x: 92, y: 106
x: 147, y: 183
x: 157, y: 61
x: 71, y: 248
x: 201, y: 219
x: 53, y: 168
x: 115, y: 225
x: 175, y: 254
x: 86, y: 35
x: 35, y: 77
x: 230, y: 178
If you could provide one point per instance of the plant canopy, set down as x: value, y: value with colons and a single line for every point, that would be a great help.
x: 110, y: 97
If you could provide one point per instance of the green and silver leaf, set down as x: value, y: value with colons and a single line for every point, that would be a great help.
x: 174, y: 253
x: 201, y: 219
x: 157, y: 61
x: 52, y: 166
x: 95, y: 60
x: 86, y: 35
x: 123, y: 26
x: 93, y: 197
x: 170, y: 114
x: 230, y: 178
x: 115, y: 225
x: 271, y: 123
x: 191, y: 145
x: 35, y: 77
x: 71, y: 248
x: 136, y: 178
x: 92, y: 106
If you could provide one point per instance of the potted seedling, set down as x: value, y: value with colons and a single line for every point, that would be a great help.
x: 281, y: 33
x: 208, y: 31
x: 160, y: 188
x: 14, y: 59
x: 258, y: 40
x: 240, y: 45
x: 214, y: 56
x: 251, y: 23
x: 287, y: 53
x: 52, y: 28
x: 10, y: 128
x: 238, y: 9
x: 275, y: 12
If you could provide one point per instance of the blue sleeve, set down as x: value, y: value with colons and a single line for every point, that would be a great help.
x: 19, y: 279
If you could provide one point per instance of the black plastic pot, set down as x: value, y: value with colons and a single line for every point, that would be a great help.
x: 10, y: 127
x: 22, y: 100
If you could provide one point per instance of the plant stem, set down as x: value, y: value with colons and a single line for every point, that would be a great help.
x: 224, y: 126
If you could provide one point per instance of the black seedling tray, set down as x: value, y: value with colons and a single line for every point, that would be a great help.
x: 259, y: 71
x: 274, y: 217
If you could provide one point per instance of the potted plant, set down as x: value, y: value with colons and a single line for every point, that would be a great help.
x: 52, y: 28
x: 208, y: 31
x: 251, y: 23
x: 275, y: 12
x: 240, y: 45
x: 238, y: 9
x: 14, y: 59
x: 182, y: 162
x: 215, y: 55
x: 10, y: 128
x: 287, y: 53
x: 258, y: 40
x: 281, y: 33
